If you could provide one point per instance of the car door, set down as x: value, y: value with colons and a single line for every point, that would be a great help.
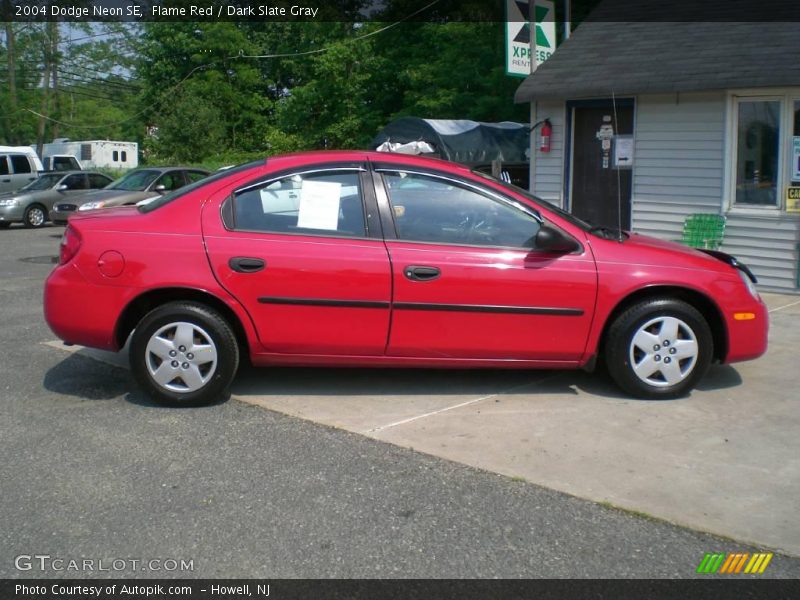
x: 22, y: 171
x: 468, y: 279
x: 76, y: 185
x: 306, y: 259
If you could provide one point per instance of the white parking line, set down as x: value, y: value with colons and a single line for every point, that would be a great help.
x: 459, y: 405
x: 785, y: 306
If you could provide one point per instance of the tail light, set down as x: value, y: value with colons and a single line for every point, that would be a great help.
x: 70, y: 244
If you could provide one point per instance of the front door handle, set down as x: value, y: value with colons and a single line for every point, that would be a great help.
x: 244, y: 264
x: 417, y: 273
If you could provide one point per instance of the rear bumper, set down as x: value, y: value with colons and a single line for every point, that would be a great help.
x: 80, y: 312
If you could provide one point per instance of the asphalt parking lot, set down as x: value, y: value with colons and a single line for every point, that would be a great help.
x: 388, y: 473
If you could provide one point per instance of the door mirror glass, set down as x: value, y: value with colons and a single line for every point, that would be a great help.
x: 551, y: 239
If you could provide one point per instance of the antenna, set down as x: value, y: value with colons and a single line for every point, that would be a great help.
x: 619, y: 179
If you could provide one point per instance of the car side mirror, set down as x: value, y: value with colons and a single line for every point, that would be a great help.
x: 160, y: 188
x: 63, y: 187
x: 551, y: 239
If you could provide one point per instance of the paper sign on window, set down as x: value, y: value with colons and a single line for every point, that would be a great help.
x: 796, y: 158
x: 319, y: 205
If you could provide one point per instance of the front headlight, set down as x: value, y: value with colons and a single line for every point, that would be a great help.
x: 751, y: 287
x: 92, y: 205
x: 9, y: 202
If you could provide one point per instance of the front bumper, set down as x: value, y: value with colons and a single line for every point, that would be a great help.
x: 747, y: 323
x: 11, y: 214
x: 61, y: 212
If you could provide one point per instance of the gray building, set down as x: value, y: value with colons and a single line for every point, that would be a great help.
x: 655, y: 121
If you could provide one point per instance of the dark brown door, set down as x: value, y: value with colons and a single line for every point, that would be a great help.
x: 601, y: 173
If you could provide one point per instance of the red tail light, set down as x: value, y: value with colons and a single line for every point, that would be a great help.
x: 70, y: 244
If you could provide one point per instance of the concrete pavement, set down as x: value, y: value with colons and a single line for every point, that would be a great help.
x: 725, y: 460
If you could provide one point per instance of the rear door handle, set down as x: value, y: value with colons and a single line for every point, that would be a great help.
x: 418, y: 273
x: 244, y: 264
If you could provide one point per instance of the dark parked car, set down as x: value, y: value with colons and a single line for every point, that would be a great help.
x: 31, y: 204
x: 368, y: 259
x: 131, y: 188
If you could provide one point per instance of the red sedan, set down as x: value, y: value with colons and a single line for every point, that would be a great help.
x: 367, y: 259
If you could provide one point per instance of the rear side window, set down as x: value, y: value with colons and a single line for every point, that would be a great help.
x: 3, y: 165
x: 171, y: 181
x: 194, y: 176
x: 98, y: 181
x: 319, y: 203
x: 75, y: 182
x: 20, y: 163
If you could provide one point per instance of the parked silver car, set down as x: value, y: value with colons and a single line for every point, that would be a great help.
x: 31, y: 204
x: 131, y: 188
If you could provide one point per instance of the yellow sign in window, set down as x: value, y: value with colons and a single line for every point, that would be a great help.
x: 793, y: 199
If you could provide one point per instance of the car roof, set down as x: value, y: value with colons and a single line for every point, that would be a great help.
x: 74, y: 172
x: 165, y: 169
x: 300, y: 158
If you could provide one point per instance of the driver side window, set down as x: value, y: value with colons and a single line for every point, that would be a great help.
x: 432, y: 209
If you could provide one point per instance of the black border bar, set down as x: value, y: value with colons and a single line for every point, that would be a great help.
x: 407, y: 589
x: 384, y: 11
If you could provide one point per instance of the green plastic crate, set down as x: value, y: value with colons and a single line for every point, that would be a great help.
x: 703, y: 231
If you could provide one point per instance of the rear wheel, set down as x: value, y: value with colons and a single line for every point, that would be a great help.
x: 4, y: 224
x: 184, y: 354
x: 35, y: 216
x: 659, y: 349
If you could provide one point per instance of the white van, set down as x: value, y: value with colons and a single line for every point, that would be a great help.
x: 61, y: 162
x: 19, y: 165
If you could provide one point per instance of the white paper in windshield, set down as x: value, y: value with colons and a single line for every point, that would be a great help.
x: 319, y: 205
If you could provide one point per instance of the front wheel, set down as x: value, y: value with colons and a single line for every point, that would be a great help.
x: 659, y: 349
x: 184, y: 354
x: 35, y: 216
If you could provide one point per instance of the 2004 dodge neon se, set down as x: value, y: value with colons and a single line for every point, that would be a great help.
x: 368, y: 259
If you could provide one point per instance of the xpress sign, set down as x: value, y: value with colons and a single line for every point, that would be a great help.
x: 518, y: 35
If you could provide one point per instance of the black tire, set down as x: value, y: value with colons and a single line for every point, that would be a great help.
x: 195, y: 380
x: 4, y: 224
x: 35, y: 216
x: 674, y: 367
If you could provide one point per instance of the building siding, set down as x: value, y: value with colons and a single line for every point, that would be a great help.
x: 549, y: 166
x: 679, y: 170
x: 768, y: 245
x: 679, y: 161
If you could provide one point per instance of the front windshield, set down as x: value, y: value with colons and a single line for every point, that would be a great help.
x: 135, y: 181
x: 539, y: 201
x: 45, y: 182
